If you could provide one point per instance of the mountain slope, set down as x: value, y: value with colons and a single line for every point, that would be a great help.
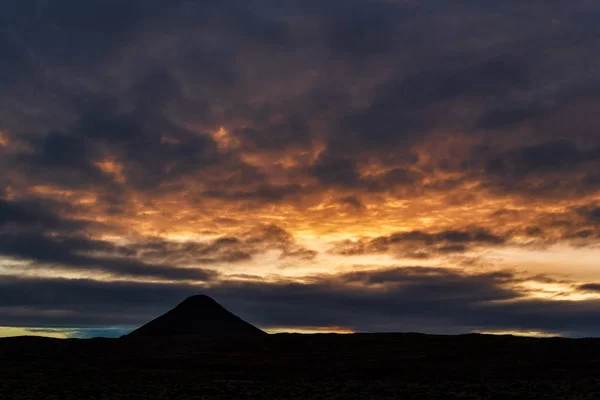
x: 198, y: 316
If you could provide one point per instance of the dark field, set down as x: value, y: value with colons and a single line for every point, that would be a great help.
x: 360, y: 366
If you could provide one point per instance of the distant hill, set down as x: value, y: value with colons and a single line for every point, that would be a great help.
x: 198, y: 316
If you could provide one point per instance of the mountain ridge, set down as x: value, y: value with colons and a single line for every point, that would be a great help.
x: 198, y: 315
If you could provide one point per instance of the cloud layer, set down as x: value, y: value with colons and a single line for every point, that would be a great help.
x: 392, y: 299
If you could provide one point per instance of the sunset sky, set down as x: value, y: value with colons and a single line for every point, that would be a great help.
x: 356, y: 165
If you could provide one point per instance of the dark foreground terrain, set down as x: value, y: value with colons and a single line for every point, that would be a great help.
x: 360, y: 366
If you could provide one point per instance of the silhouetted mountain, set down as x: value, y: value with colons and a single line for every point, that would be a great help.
x: 198, y: 316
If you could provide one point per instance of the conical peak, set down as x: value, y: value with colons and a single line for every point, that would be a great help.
x: 199, y: 299
x: 199, y: 304
x: 198, y: 315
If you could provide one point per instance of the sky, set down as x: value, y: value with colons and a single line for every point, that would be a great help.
x: 348, y: 166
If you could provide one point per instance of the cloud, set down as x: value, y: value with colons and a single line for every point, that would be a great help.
x: 576, y: 225
x: 402, y: 111
x: 88, y: 255
x: 539, y: 159
x: 590, y: 213
x: 391, y: 299
x: 352, y: 201
x: 153, y: 258
x: 419, y: 244
x: 47, y: 241
x: 35, y: 213
x: 337, y: 171
x: 590, y: 287
x: 150, y: 148
x: 226, y: 249
x: 267, y: 77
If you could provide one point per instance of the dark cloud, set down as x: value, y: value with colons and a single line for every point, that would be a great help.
x: 345, y: 173
x: 510, y: 115
x: 576, y: 225
x: 152, y: 258
x: 28, y: 232
x: 289, y: 131
x: 590, y: 287
x: 353, y: 201
x: 151, y: 148
x: 400, y: 114
x: 226, y: 249
x: 547, y: 170
x: 401, y: 177
x: 590, y: 213
x: 358, y: 31
x: 35, y: 214
x: 538, y: 159
x: 80, y: 303
x: 64, y: 159
x: 420, y: 244
x: 397, y: 299
x: 341, y: 171
x: 278, y: 77
x: 47, y: 241
x: 263, y: 193
x: 87, y: 255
